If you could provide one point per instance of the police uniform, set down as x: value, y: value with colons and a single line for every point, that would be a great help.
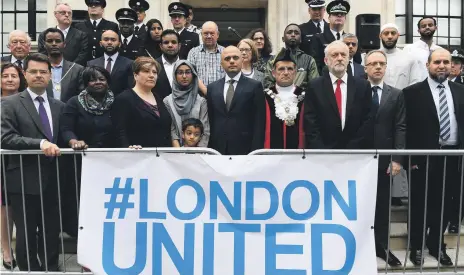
x: 94, y: 33
x: 131, y: 46
x: 188, y: 40
x: 459, y: 55
x: 140, y: 6
x: 310, y: 28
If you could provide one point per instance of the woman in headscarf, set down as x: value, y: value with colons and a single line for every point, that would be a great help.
x: 153, y: 40
x: 184, y: 102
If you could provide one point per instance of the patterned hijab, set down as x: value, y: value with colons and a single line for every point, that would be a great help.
x: 184, y: 97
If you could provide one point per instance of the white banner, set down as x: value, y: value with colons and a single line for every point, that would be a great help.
x: 199, y: 214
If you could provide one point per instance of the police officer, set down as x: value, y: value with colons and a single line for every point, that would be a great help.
x: 188, y: 40
x: 95, y: 25
x: 315, y: 25
x: 131, y: 46
x: 140, y: 6
x: 457, y: 66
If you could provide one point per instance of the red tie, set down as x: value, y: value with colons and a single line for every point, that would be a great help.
x: 338, y: 97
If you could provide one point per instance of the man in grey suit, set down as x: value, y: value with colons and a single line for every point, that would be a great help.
x: 76, y: 41
x: 30, y: 120
x: 19, y: 44
x: 66, y: 80
x: 389, y: 114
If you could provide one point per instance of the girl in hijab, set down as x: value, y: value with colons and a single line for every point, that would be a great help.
x: 184, y: 102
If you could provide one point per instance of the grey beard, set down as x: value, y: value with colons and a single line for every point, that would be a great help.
x: 439, y: 79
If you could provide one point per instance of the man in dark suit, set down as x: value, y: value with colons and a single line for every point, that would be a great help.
x: 140, y: 7
x: 118, y: 66
x: 337, y: 106
x: 170, y: 47
x: 75, y: 40
x: 188, y: 40
x: 19, y: 44
x: 66, y: 80
x: 131, y: 46
x: 338, y: 10
x: 94, y: 26
x: 354, y: 68
x: 435, y: 121
x: 30, y: 121
x: 389, y: 116
x: 236, y: 109
x: 315, y: 25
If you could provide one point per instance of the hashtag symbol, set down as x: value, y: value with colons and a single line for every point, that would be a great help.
x: 114, y: 193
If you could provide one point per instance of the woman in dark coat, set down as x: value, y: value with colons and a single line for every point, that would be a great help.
x: 153, y: 38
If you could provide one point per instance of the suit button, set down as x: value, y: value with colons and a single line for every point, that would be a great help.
x: 94, y: 38
x: 95, y: 30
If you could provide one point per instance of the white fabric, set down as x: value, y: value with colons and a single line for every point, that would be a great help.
x: 169, y: 68
x: 113, y: 59
x: 352, y: 66
x: 322, y: 25
x: 65, y: 31
x: 389, y: 26
x: 226, y: 84
x: 335, y: 34
x: 344, y: 88
x: 402, y: 69
x: 453, y: 140
x: 98, y: 21
x: 129, y: 38
x: 421, y: 51
x: 286, y: 93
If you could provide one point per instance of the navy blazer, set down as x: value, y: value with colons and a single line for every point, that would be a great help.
x: 240, y: 130
x: 359, y: 71
x: 122, y: 77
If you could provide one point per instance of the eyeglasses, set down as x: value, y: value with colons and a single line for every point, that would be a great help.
x: 40, y: 72
x: 64, y: 12
x: 187, y: 73
x: 351, y: 43
x: 377, y: 63
x: 247, y: 50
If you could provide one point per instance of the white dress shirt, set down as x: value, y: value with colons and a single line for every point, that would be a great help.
x: 98, y: 21
x: 322, y: 25
x: 138, y: 25
x: 169, y: 69
x: 226, y: 84
x: 453, y: 139
x: 46, y: 104
x: 352, y: 66
x: 129, y: 38
x: 335, y: 34
x: 379, y: 90
x: 113, y: 60
x: 344, y: 88
x: 421, y: 51
x: 13, y: 61
x: 179, y: 32
x: 65, y: 31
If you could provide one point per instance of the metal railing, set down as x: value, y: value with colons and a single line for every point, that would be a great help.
x: 431, y: 157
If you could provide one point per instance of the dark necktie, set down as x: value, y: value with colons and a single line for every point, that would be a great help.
x: 338, y: 36
x: 44, y: 119
x: 230, y: 94
x: 19, y: 63
x: 125, y: 42
x: 318, y: 26
x: 136, y: 29
x: 375, y: 99
x: 350, y: 69
x: 445, y: 122
x: 108, y: 65
x: 94, y: 24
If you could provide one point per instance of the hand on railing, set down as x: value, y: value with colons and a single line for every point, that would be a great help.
x: 78, y: 144
x: 135, y: 147
x: 50, y: 149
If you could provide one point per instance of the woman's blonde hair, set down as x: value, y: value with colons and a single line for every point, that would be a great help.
x: 254, y: 50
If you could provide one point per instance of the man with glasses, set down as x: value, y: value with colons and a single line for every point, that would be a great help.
x: 354, y: 68
x: 170, y: 47
x: 315, y: 25
x: 188, y: 40
x: 30, y: 121
x: 19, y: 44
x: 236, y: 109
x: 76, y: 41
x: 389, y: 116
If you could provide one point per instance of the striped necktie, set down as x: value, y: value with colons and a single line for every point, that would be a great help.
x: 445, y: 123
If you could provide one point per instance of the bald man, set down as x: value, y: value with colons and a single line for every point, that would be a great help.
x: 236, y: 109
x: 207, y: 56
x: 338, y: 106
x: 19, y: 44
x: 434, y: 121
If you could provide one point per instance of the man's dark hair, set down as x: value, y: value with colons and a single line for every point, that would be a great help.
x: 426, y: 17
x: 53, y: 30
x: 22, y: 79
x: 194, y: 122
x: 37, y: 57
x: 169, y: 31
x: 267, y: 50
x: 91, y: 72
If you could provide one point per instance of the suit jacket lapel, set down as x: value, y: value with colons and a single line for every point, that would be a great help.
x: 350, y: 92
x: 65, y: 80
x: 220, y: 102
x: 117, y: 64
x: 330, y: 93
x: 455, y: 100
x: 26, y: 100
x: 384, y: 98
x: 238, y: 91
x: 69, y: 37
x: 428, y: 98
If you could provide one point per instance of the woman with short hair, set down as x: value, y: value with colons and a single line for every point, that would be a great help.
x: 250, y: 57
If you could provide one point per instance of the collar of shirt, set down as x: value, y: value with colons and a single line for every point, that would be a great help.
x: 165, y: 62
x: 236, y: 78
x: 389, y: 51
x: 14, y: 59
x: 192, y: 28
x: 423, y: 45
x: 139, y: 25
x: 179, y: 32
x: 453, y: 79
x: 335, y: 34
x: 113, y: 57
x: 59, y: 65
x: 34, y: 96
x: 98, y: 21
x: 129, y: 38
x: 334, y: 79
x: 380, y: 85
x: 315, y: 23
x: 65, y: 31
x: 434, y: 84
x: 219, y: 48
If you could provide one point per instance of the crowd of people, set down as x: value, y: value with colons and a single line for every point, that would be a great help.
x: 135, y: 85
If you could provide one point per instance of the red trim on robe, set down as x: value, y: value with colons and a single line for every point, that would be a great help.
x: 301, y: 140
x: 267, y: 133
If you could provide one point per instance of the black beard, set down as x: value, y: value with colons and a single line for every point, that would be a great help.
x: 389, y: 47
x: 108, y: 52
x: 427, y: 36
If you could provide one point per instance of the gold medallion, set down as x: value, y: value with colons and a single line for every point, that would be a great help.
x: 58, y: 87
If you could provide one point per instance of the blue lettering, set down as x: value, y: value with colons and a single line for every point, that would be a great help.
x: 317, y: 230
x: 272, y: 248
x: 250, y: 200
x: 287, y: 200
x: 172, y: 206
x: 185, y: 266
x: 217, y: 193
x: 349, y: 209
x: 108, y: 250
x: 144, y: 213
x: 239, y: 231
x: 208, y: 249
